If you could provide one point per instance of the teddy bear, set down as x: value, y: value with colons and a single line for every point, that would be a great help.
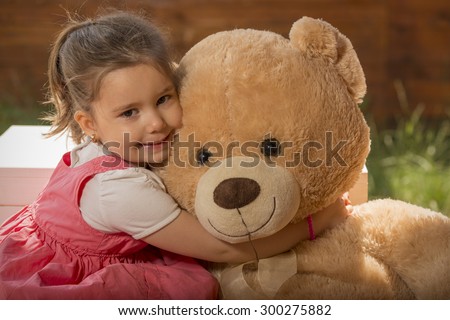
x: 272, y: 132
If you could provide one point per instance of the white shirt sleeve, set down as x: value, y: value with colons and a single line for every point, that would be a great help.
x: 132, y: 200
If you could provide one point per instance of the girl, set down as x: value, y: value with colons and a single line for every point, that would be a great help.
x: 104, y: 227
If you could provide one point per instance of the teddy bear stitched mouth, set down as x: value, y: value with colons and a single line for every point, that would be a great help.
x: 245, y: 225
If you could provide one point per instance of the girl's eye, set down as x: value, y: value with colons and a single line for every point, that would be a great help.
x: 128, y: 113
x: 162, y: 100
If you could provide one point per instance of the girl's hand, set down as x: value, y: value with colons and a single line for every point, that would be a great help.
x: 332, y: 215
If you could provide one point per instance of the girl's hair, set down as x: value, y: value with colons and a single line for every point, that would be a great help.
x: 86, y: 50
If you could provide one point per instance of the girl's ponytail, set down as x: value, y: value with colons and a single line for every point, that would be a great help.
x: 62, y: 117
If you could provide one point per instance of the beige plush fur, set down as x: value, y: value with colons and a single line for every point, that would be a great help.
x: 242, y: 89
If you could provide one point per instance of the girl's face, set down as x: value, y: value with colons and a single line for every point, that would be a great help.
x: 136, y: 113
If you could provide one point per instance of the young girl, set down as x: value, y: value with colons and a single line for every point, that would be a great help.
x: 104, y: 227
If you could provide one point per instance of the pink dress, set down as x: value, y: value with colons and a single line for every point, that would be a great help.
x: 47, y: 251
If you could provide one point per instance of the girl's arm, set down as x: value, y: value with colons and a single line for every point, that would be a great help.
x: 186, y: 236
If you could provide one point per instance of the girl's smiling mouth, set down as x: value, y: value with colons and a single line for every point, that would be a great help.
x: 156, y: 144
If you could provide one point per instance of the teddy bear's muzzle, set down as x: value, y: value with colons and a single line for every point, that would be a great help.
x: 242, y: 198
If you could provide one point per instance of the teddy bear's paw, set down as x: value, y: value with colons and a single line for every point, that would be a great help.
x: 413, y: 241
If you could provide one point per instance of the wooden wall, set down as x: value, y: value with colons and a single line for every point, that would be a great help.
x: 398, y: 41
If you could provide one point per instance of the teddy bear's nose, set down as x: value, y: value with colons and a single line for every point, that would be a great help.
x: 236, y: 192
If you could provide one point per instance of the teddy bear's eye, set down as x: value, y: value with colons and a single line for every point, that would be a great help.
x: 203, y: 156
x: 270, y: 147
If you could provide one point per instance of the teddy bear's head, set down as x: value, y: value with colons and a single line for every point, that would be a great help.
x: 272, y: 131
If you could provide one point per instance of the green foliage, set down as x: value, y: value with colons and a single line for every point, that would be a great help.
x: 11, y: 113
x: 412, y: 161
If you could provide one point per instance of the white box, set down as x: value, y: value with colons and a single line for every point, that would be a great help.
x: 26, y: 163
x: 360, y: 191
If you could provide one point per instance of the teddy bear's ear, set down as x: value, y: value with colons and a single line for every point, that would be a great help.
x: 317, y: 38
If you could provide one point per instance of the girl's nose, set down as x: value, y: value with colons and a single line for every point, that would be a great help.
x: 155, y: 122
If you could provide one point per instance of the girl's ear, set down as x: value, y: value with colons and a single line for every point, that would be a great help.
x: 86, y: 122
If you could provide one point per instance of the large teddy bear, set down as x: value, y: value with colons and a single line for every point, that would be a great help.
x: 272, y: 132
